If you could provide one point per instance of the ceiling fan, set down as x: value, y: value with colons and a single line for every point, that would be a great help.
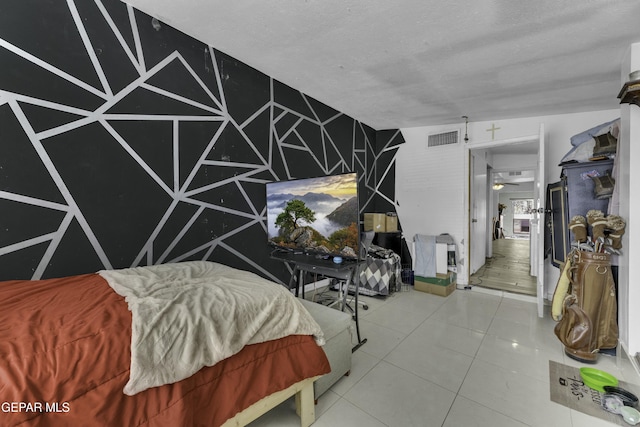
x: 500, y: 185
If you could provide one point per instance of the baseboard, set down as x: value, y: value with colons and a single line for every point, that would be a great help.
x: 635, y: 359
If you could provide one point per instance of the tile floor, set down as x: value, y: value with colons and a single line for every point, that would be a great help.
x: 475, y: 358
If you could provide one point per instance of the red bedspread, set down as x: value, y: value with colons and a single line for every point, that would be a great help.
x: 65, y: 356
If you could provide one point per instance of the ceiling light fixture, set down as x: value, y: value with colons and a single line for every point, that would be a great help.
x: 466, y: 123
x: 498, y: 186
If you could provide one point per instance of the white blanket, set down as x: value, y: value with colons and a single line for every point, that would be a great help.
x: 193, y: 314
x: 425, y: 255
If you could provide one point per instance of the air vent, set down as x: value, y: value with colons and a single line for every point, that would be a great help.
x: 518, y: 173
x: 445, y: 138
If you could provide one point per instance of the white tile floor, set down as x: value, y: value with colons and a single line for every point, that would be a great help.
x: 470, y: 359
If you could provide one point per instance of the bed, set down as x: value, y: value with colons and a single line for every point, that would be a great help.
x: 69, y: 347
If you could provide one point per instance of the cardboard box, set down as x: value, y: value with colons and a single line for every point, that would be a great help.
x: 375, y: 222
x: 442, y: 284
x: 391, y: 222
x: 440, y: 279
x: 430, y: 288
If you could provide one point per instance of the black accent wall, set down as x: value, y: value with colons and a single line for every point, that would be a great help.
x: 124, y: 142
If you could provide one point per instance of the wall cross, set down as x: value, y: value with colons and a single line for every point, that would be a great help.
x: 493, y: 130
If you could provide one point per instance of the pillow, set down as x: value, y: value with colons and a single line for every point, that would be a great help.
x: 612, y: 126
x: 580, y: 153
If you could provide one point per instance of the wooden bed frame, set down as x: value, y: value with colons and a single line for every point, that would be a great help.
x: 305, y: 405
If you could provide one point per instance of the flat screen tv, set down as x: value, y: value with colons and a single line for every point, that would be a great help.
x: 315, y: 215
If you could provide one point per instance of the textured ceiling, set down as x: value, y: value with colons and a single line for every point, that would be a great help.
x: 425, y: 62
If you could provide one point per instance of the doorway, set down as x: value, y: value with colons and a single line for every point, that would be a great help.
x: 507, y: 266
x: 506, y: 159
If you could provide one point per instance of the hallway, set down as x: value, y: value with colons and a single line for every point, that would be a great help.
x: 508, y: 269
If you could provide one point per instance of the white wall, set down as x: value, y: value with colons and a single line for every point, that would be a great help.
x: 430, y: 182
x: 512, y: 162
x: 430, y: 188
x: 629, y: 187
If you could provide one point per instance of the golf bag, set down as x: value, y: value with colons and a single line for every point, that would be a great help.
x: 586, y: 296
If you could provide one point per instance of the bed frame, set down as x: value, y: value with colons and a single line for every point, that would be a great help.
x: 305, y: 405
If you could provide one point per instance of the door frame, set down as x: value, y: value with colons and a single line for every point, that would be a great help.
x: 538, y: 182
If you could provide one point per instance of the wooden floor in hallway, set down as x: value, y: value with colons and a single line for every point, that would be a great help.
x: 508, y: 269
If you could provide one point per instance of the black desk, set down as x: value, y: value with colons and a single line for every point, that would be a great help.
x: 347, y: 271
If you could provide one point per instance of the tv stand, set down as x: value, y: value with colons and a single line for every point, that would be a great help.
x: 346, y: 271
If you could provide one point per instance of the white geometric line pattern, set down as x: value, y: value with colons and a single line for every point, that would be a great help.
x: 171, y: 166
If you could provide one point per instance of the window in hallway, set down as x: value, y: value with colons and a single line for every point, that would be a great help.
x: 521, y: 216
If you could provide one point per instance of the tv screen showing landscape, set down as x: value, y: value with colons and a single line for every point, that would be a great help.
x: 315, y: 215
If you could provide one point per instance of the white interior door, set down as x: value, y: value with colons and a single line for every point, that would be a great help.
x: 478, y: 210
x: 540, y: 192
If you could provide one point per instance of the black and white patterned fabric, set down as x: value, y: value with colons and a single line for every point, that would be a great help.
x: 381, y: 276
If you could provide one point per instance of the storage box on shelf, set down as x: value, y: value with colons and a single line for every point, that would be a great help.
x: 375, y: 222
x: 391, y: 222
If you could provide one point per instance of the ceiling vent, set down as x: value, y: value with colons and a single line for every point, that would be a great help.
x: 444, y: 138
x: 518, y: 173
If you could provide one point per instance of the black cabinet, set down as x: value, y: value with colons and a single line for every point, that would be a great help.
x: 391, y: 240
x: 581, y: 188
x: 573, y: 195
x: 395, y: 242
